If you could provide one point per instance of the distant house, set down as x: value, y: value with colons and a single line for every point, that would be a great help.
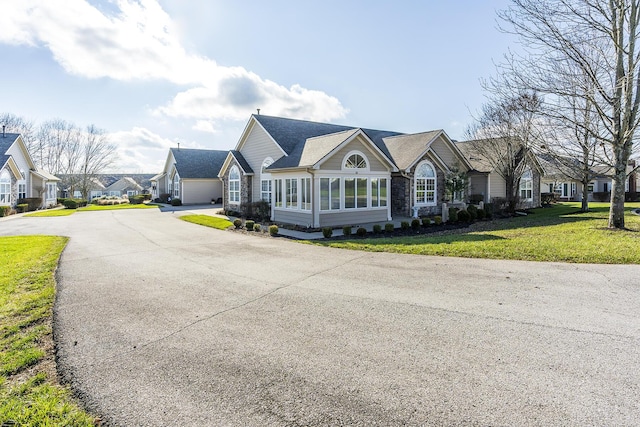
x: 19, y: 177
x: 123, y: 187
x: 486, y: 183
x: 567, y: 186
x: 95, y: 189
x: 319, y: 174
x: 190, y: 175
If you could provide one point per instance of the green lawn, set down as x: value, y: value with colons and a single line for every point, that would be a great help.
x: 29, y: 393
x: 208, y: 221
x: 88, y: 208
x: 559, y: 233
x: 51, y: 212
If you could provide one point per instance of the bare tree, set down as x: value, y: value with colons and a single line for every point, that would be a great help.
x: 27, y: 128
x: 503, y: 134
x: 566, y: 40
x: 96, y: 154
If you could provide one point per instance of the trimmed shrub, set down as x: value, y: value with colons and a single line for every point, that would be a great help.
x: 601, y: 196
x: 273, y: 230
x: 389, y: 227
x: 415, y: 223
x: 249, y: 224
x: 547, y: 198
x: 164, y: 197
x: 257, y: 228
x: 481, y: 214
x: 404, y: 225
x: 5, y: 211
x: 137, y: 200
x: 475, y: 199
x: 33, y: 203
x: 259, y: 211
x: 70, y: 204
x: 426, y: 221
x: 437, y: 220
x: 327, y: 232
x: 473, y: 212
x: 464, y: 216
x: 237, y: 223
x: 346, y: 230
x: 361, y: 231
x: 377, y: 229
x: 22, y: 207
x: 453, y: 215
x: 488, y: 210
x: 176, y: 202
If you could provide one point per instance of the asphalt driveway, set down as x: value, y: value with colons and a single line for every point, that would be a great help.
x: 162, y: 322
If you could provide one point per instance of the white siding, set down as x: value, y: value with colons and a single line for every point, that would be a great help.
x: 23, y: 164
x: 335, y: 161
x: 257, y: 147
x: 200, y: 191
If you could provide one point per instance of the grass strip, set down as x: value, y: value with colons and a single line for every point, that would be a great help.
x: 29, y: 392
x: 208, y: 221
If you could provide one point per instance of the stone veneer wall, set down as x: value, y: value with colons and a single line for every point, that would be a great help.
x: 245, y: 188
x: 402, y: 190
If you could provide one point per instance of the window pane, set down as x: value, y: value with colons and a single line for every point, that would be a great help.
x: 374, y: 193
x: 278, y: 193
x: 306, y: 193
x: 324, y: 194
x: 383, y: 192
x: 362, y: 192
x: 349, y: 193
x: 335, y: 193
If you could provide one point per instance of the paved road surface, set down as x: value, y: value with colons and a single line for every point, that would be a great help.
x: 161, y: 322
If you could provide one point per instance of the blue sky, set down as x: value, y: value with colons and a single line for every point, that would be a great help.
x: 155, y: 73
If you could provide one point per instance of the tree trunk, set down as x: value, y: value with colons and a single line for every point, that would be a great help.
x: 585, y: 197
x: 616, y: 212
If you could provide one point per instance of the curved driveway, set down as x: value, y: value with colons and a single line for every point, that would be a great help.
x: 162, y: 322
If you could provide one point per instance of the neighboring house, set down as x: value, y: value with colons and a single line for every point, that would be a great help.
x: 190, y: 175
x: 19, y: 178
x: 557, y: 179
x: 123, y: 187
x: 319, y: 174
x: 486, y: 183
x: 96, y: 189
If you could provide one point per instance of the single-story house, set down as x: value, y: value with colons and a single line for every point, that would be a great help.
x: 486, y: 183
x: 190, y: 175
x: 319, y: 174
x: 561, y: 180
x: 19, y: 177
x: 123, y: 187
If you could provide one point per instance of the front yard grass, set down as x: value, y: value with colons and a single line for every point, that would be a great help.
x: 208, y: 221
x: 559, y: 233
x: 29, y: 392
x: 88, y: 208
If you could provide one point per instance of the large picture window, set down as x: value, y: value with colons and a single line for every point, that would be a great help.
x: 378, y: 192
x: 329, y: 194
x: 5, y: 188
x: 234, y: 185
x: 355, y: 193
x: 278, y: 189
x: 425, y: 184
x: 22, y: 190
x: 291, y: 193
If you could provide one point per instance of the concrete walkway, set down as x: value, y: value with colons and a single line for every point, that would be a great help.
x: 159, y: 322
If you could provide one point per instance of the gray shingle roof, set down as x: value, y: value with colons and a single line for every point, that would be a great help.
x: 125, y: 183
x: 292, y: 136
x: 5, y: 142
x: 195, y: 163
x: 406, y: 149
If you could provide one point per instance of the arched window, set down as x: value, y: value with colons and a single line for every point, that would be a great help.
x: 176, y: 186
x: 355, y: 161
x: 5, y: 188
x: 234, y: 185
x: 425, y: 184
x: 265, y: 180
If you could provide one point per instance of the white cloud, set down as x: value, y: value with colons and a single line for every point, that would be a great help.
x: 138, y: 41
x: 204, y: 126
x: 140, y: 150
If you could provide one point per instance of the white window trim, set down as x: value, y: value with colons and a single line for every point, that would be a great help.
x: 264, y: 177
x: 359, y: 153
x: 5, y: 184
x: 526, y: 184
x: 234, y: 169
x: 435, y: 185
